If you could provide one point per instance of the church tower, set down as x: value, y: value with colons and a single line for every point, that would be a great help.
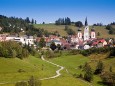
x: 79, y: 35
x: 86, y: 30
x: 93, y: 36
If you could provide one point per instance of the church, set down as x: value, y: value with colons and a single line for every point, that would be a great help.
x: 87, y: 34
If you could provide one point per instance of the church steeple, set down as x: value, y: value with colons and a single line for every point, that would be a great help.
x: 86, y: 23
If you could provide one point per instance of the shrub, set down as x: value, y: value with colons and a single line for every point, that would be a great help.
x: 74, y: 52
x: 108, y: 78
x: 21, y: 84
x: 99, y: 68
x: 21, y: 70
x: 33, y: 82
x: 88, y: 76
x: 49, y: 54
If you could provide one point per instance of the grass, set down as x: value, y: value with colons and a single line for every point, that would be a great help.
x: 106, y: 61
x: 60, y: 29
x: 29, y: 63
x: 31, y: 66
x: 67, y: 79
x: 71, y: 62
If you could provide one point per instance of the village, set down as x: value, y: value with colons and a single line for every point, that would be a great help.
x: 81, y: 40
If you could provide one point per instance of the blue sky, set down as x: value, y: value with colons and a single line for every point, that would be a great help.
x: 50, y: 10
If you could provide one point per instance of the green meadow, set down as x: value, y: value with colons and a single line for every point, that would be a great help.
x: 13, y: 70
x: 60, y: 28
x: 32, y: 66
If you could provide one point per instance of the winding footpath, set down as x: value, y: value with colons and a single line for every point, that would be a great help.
x: 57, y: 72
x: 52, y: 77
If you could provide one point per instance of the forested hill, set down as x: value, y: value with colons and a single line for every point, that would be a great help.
x: 101, y: 31
x: 62, y: 27
x: 14, y: 25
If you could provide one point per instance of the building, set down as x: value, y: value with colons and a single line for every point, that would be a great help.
x: 86, y: 35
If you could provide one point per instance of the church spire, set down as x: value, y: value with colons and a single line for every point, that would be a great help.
x: 86, y: 23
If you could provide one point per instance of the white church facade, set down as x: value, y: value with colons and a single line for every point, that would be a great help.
x: 87, y: 34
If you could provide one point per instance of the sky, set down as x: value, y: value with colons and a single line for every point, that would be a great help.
x: 96, y: 11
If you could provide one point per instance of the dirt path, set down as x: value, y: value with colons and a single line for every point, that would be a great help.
x: 57, y: 72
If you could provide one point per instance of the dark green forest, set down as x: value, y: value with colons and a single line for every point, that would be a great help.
x: 14, y: 25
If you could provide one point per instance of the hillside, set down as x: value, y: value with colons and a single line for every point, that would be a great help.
x: 9, y: 70
x: 60, y: 28
x: 14, y: 69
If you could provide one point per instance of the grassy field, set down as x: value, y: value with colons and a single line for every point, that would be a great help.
x: 9, y: 69
x: 33, y: 66
x: 67, y: 79
x: 60, y: 29
x: 71, y: 63
x: 106, y: 61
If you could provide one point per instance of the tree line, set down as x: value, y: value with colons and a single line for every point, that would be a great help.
x: 111, y: 29
x: 63, y: 21
x: 14, y: 25
x: 12, y: 49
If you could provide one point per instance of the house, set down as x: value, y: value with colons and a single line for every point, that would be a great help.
x: 55, y: 41
x: 99, y: 43
x: 2, y: 37
x: 25, y: 40
x: 86, y: 47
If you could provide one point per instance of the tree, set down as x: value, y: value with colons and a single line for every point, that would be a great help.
x: 110, y: 68
x: 43, y: 23
x: 66, y: 27
x: 53, y: 46
x: 70, y: 31
x: 35, y: 22
x: 78, y: 24
x: 32, y: 21
x: 67, y: 21
x: 108, y: 78
x: 62, y: 21
x: 42, y: 43
x: 58, y: 46
x: 27, y: 20
x: 33, y: 82
x: 98, y: 34
x: 25, y: 53
x: 88, y: 76
x: 99, y: 68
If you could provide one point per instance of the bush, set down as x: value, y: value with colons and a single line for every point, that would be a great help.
x: 74, y: 52
x: 33, y: 82
x: 99, y: 68
x: 108, y: 78
x: 49, y: 54
x: 21, y: 84
x: 10, y: 49
x: 88, y: 76
x: 21, y: 70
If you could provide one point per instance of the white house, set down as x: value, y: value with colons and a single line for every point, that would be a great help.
x: 86, y: 47
x: 25, y: 40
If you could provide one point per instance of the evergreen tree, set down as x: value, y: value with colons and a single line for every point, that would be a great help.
x: 42, y: 43
x: 33, y: 82
x: 98, y: 34
x: 32, y: 21
x: 27, y: 20
x: 35, y: 22
x: 78, y: 24
x: 99, y: 68
x: 53, y: 46
x: 88, y: 76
